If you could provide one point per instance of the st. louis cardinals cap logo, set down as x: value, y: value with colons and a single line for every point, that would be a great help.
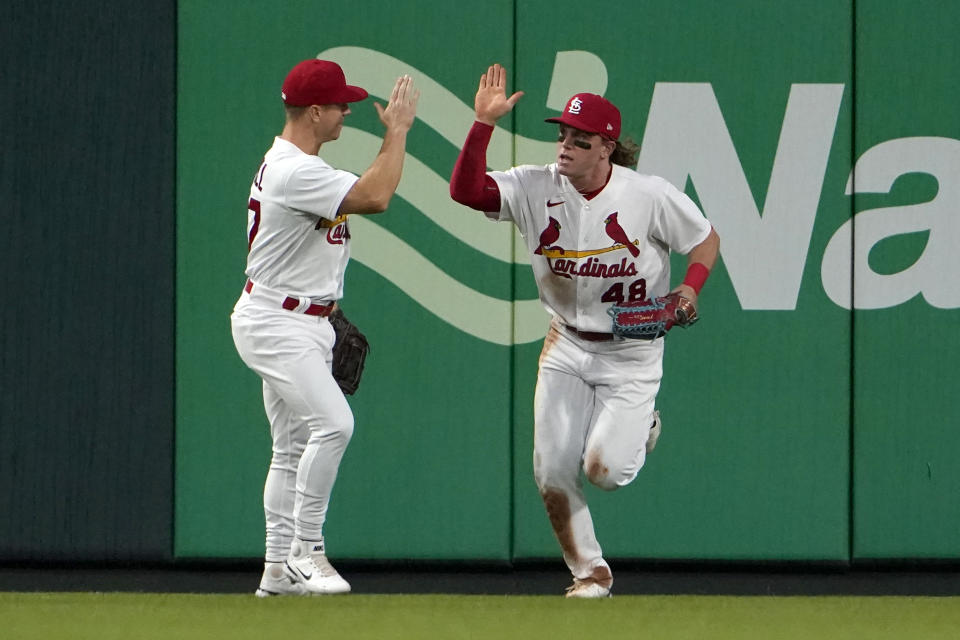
x: 591, y: 113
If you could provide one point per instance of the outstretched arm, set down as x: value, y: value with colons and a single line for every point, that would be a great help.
x: 469, y: 184
x: 372, y: 192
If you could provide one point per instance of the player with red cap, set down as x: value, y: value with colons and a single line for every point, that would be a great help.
x: 298, y: 248
x: 598, y: 234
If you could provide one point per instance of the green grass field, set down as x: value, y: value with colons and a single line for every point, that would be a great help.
x: 134, y: 616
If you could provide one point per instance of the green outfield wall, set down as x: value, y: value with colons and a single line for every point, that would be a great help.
x: 87, y: 252
x: 809, y: 416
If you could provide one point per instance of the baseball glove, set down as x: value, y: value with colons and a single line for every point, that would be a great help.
x: 349, y: 352
x: 650, y: 319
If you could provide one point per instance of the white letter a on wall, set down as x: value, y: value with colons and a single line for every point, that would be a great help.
x: 935, y: 273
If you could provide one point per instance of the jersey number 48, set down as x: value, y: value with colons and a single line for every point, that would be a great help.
x: 635, y: 292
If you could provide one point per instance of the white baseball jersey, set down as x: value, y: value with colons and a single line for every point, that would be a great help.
x: 297, y: 243
x: 588, y: 254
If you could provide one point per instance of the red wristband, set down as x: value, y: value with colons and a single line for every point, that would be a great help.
x: 697, y: 274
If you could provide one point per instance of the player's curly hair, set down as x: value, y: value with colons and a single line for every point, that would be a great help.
x: 626, y: 153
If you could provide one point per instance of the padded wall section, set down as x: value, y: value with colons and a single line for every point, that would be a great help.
x: 86, y: 386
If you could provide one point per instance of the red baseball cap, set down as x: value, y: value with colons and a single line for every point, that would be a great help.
x: 318, y: 82
x: 592, y: 113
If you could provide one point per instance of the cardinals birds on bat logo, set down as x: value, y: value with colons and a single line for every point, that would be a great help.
x: 566, y: 263
x: 549, y: 235
x: 616, y: 232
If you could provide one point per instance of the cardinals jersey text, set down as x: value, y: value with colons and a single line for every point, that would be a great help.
x: 588, y: 254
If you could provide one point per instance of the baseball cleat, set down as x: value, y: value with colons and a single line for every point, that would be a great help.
x: 275, y: 582
x: 308, y: 565
x: 587, y: 588
x: 654, y: 432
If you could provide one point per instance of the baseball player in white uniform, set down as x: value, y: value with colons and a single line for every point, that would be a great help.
x: 298, y: 246
x: 598, y: 234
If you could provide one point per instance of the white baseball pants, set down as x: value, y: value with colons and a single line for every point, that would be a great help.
x: 310, y: 420
x: 593, y: 411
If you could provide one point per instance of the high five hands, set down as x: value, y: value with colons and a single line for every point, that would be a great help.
x: 401, y: 110
x: 492, y: 102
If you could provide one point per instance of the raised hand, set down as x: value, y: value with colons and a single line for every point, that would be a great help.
x: 492, y: 102
x: 401, y: 110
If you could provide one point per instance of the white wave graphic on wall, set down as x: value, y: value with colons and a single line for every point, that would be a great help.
x: 430, y: 194
x: 498, y: 321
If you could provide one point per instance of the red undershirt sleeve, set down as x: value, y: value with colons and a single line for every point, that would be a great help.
x: 469, y: 184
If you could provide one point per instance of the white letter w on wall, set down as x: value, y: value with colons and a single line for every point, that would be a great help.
x: 764, y: 255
